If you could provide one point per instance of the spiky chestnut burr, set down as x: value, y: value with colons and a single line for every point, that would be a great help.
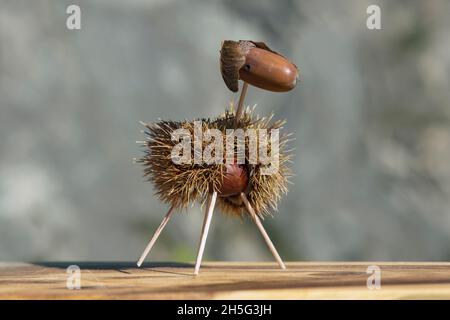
x: 181, y: 185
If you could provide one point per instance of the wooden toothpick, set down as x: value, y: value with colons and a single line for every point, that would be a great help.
x: 205, y: 228
x: 262, y: 230
x: 156, y: 235
x: 240, y: 107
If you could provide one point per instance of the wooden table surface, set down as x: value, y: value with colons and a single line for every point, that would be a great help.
x: 225, y: 280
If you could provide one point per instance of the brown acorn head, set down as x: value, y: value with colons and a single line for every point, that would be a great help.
x: 256, y: 64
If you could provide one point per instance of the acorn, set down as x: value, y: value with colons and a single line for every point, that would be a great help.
x: 256, y: 64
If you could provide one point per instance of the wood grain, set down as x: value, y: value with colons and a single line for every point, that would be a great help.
x: 225, y: 280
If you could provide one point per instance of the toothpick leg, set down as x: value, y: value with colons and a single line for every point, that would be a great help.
x: 206, y: 223
x: 155, y: 236
x: 262, y: 230
x: 240, y: 107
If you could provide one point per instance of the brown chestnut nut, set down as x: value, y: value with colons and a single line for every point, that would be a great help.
x: 235, y: 180
x: 256, y: 64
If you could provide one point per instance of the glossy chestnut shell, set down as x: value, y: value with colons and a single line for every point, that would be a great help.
x: 235, y: 180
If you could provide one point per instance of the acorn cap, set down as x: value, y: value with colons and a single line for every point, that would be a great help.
x: 232, y: 58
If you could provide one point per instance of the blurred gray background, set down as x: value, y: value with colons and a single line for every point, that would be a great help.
x: 371, y: 118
